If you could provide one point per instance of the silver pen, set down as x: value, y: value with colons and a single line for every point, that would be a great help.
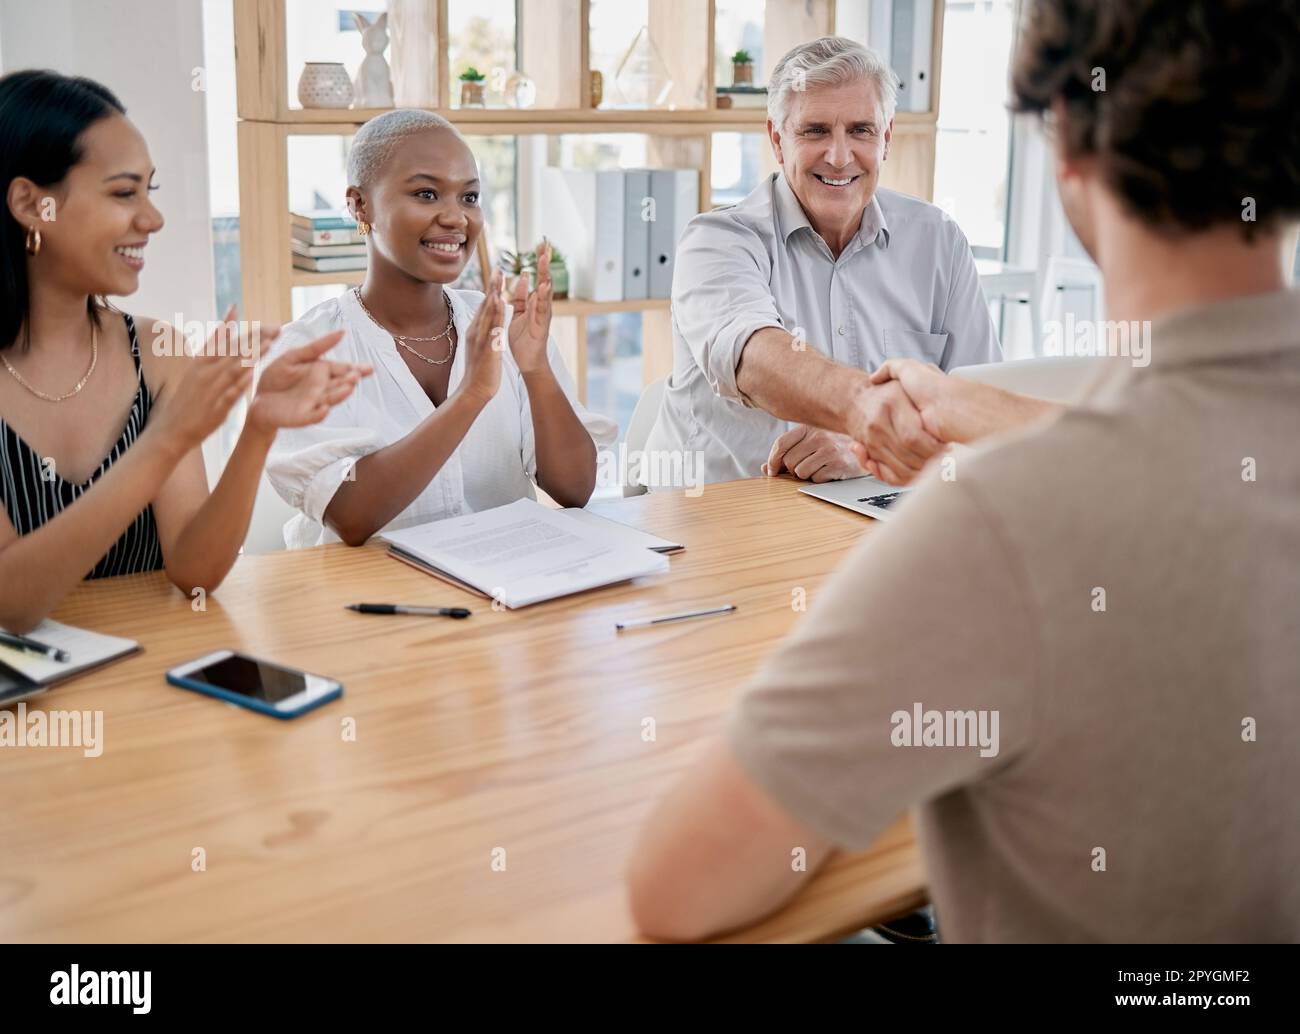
x: 642, y: 622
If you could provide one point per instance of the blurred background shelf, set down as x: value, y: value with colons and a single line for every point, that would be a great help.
x: 290, y: 157
x: 561, y: 307
x: 473, y: 122
x: 492, y: 118
x: 305, y: 278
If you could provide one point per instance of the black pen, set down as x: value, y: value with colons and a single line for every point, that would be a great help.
x: 21, y: 642
x: 397, y: 608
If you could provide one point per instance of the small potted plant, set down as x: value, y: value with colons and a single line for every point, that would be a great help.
x: 513, y: 264
x: 471, y: 88
x: 559, y: 272
x: 516, y: 263
x: 742, y: 68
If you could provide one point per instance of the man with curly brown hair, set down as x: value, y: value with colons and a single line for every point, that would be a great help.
x: 1076, y: 654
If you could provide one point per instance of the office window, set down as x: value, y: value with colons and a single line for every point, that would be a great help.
x: 738, y: 25
x: 497, y: 169
x: 316, y: 31
x: 599, y: 151
x: 971, y: 150
x: 223, y: 160
x: 737, y: 165
x: 614, y: 25
x: 481, y: 33
x: 614, y: 365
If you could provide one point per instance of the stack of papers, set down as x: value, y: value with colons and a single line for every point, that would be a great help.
x: 524, y: 553
x: 596, y: 525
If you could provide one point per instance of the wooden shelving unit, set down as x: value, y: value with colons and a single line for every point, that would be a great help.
x: 564, y: 307
x: 553, y: 45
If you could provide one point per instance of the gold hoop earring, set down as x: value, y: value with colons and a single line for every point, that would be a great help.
x: 363, y: 228
x: 33, y: 241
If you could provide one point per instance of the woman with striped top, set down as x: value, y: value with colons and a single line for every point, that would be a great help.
x: 102, y: 415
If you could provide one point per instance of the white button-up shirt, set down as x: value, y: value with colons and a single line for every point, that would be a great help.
x: 905, y: 285
x: 494, y: 464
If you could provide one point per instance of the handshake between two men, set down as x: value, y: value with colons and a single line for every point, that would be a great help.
x: 891, y: 422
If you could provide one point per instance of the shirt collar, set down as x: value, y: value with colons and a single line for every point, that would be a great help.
x: 874, y: 229
x: 378, y: 347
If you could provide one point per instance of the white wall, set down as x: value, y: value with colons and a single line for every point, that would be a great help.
x: 145, y: 51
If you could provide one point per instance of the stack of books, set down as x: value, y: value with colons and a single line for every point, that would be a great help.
x: 326, y: 242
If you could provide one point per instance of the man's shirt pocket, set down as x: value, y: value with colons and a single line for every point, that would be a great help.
x: 915, y: 344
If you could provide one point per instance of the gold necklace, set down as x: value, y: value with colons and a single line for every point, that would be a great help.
x: 94, y: 358
x: 401, y: 341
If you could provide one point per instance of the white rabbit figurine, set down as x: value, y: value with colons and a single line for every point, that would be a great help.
x: 374, y: 86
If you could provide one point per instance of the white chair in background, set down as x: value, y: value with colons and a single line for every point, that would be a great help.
x: 1054, y: 378
x: 1071, y: 285
x: 1002, y: 283
x: 638, y: 432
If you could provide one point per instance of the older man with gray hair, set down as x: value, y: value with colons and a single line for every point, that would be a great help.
x: 783, y: 303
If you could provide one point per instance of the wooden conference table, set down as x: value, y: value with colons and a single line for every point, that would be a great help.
x: 516, y: 730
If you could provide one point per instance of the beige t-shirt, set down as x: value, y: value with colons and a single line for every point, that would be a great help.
x: 1122, y: 588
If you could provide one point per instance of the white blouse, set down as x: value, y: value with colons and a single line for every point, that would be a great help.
x: 494, y: 464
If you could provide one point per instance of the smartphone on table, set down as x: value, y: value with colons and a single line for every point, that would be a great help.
x: 256, y: 684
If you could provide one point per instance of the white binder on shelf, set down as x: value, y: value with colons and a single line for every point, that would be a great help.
x: 902, y: 32
x: 582, y: 213
x: 676, y: 194
x: 636, y: 233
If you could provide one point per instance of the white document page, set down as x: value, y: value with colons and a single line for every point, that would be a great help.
x: 524, y: 553
x: 617, y: 531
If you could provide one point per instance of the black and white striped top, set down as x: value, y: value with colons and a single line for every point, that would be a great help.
x: 31, y: 499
